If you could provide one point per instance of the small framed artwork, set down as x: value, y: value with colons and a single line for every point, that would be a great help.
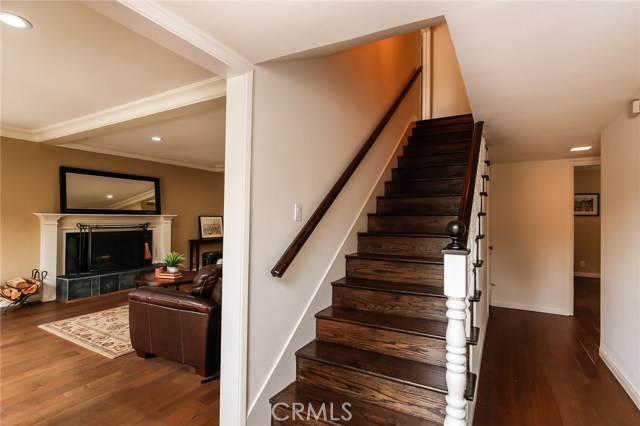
x: 586, y: 204
x: 210, y: 226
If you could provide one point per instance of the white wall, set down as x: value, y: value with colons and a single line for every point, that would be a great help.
x: 313, y: 116
x: 532, y: 234
x: 620, y: 273
x: 449, y: 92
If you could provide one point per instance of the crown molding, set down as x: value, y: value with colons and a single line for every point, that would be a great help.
x: 16, y: 133
x: 194, y: 93
x: 156, y: 159
x: 234, y: 63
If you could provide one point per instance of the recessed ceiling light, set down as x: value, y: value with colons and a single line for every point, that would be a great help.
x: 581, y: 148
x: 156, y: 138
x: 15, y: 21
x: 109, y: 196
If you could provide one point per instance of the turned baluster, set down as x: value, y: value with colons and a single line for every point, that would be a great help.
x: 455, y: 289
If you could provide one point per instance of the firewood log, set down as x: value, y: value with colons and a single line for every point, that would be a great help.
x: 15, y: 294
x: 31, y: 289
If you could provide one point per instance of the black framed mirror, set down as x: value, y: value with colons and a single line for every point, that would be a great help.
x: 93, y: 191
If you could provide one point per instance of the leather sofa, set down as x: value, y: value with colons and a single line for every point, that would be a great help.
x: 180, y: 326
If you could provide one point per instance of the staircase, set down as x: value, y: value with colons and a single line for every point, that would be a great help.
x: 379, y: 353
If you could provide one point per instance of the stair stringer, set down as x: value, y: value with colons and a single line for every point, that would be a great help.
x: 283, y: 370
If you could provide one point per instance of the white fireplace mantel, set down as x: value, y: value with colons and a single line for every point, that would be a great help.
x: 54, y: 226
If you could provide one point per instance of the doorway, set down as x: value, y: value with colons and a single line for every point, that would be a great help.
x: 586, y: 253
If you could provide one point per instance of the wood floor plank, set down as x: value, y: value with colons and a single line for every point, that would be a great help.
x: 542, y: 369
x: 49, y: 381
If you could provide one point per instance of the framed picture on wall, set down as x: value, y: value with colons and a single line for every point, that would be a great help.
x: 586, y: 204
x: 210, y: 226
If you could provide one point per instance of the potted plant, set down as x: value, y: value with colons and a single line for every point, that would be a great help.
x: 172, y: 261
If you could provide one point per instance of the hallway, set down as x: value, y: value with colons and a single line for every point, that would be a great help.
x: 544, y: 370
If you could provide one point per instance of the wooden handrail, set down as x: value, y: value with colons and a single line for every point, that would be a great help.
x: 466, y: 202
x: 296, y: 245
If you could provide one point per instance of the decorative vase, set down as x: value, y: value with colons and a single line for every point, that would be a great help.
x: 172, y: 269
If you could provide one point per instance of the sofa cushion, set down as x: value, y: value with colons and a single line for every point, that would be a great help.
x: 205, y: 280
x: 172, y: 299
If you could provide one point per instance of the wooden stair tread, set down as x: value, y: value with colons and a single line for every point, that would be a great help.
x: 362, y: 413
x: 420, y: 327
x: 422, y: 140
x: 399, y: 235
x: 432, y: 166
x: 408, y: 372
x: 431, y: 179
x: 397, y: 258
x: 395, y: 197
x: 438, y: 154
x: 391, y: 287
x: 461, y: 118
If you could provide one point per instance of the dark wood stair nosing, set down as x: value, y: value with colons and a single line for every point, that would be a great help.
x: 390, y: 287
x: 395, y: 197
x: 361, y: 411
x: 432, y: 166
x: 450, y: 117
x: 409, y: 214
x: 435, y: 154
x: 429, y: 179
x: 390, y: 360
x: 397, y: 258
x: 323, y: 314
x: 400, y: 235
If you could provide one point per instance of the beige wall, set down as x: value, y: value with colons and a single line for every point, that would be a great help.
x: 586, y: 234
x: 314, y: 116
x: 449, y: 92
x: 531, y: 231
x: 30, y: 184
x: 620, y: 275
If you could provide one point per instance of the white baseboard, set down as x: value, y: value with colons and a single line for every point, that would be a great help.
x: 533, y: 308
x: 628, y: 387
x: 586, y: 274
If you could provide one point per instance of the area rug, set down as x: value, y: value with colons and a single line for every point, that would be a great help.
x: 104, y: 332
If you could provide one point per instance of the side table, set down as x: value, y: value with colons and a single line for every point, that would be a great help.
x: 195, y: 245
x: 150, y: 279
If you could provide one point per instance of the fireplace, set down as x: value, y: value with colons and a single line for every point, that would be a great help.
x: 63, y: 283
x: 112, y: 250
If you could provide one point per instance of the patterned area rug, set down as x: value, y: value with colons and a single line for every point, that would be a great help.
x: 104, y: 332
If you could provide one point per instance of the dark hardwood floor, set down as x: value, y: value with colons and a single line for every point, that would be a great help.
x: 544, y: 370
x: 46, y: 380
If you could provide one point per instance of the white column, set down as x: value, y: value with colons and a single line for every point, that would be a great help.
x: 49, y: 253
x: 455, y: 288
x: 164, y: 238
x: 237, y: 184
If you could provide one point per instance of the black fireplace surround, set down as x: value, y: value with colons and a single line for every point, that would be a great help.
x: 100, y: 262
x: 107, y: 251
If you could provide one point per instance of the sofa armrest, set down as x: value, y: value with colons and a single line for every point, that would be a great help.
x: 173, y: 299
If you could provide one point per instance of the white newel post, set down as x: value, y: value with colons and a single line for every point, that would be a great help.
x: 455, y: 288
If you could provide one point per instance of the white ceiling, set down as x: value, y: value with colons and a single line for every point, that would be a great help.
x: 544, y: 76
x: 81, y: 80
